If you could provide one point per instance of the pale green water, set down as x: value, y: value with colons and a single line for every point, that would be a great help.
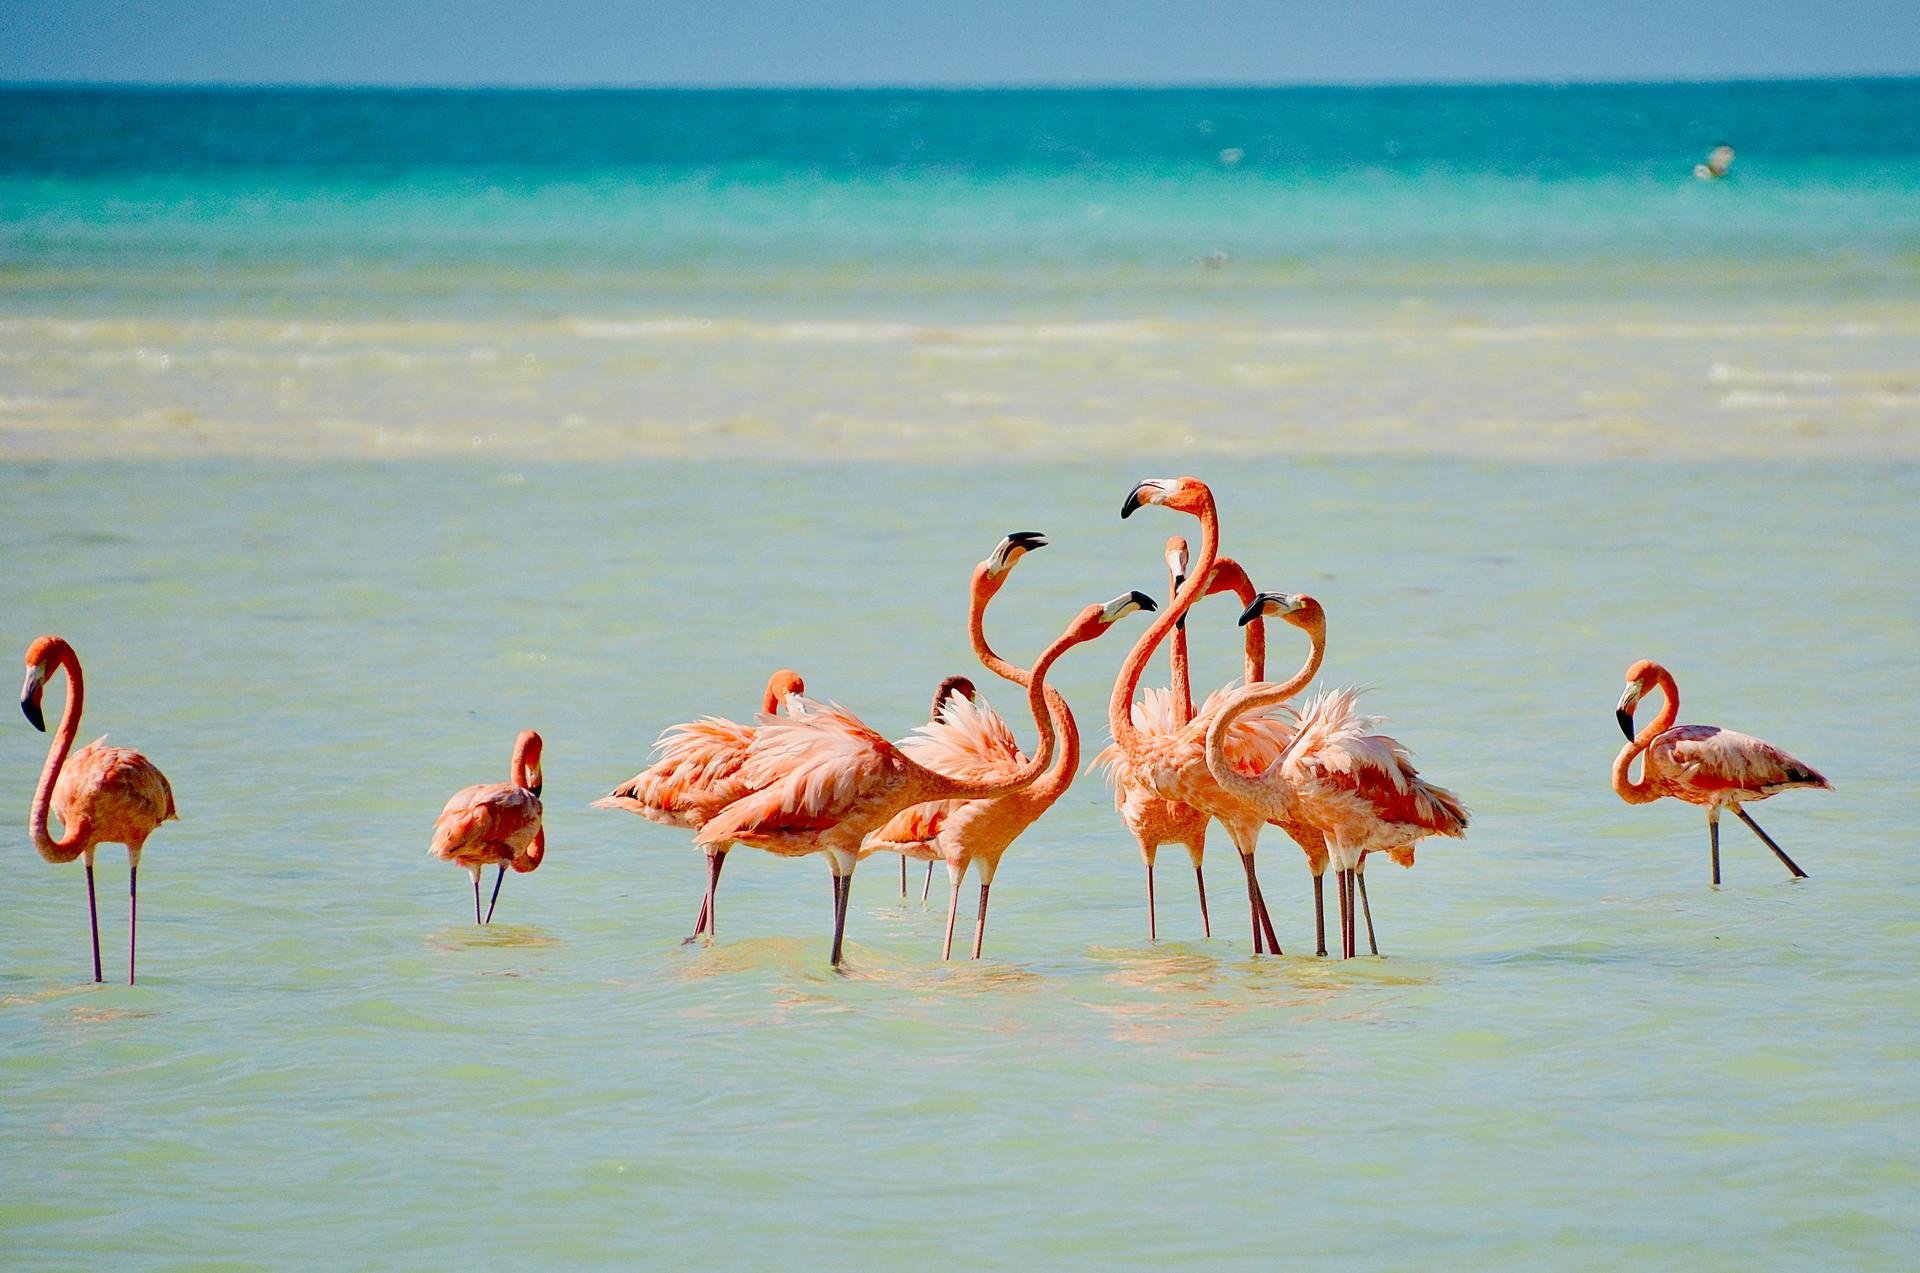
x: 1575, y: 1053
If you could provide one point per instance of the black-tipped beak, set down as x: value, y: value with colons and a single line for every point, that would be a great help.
x: 1145, y: 602
x: 1179, y: 582
x: 1253, y: 611
x: 535, y: 788
x: 1625, y: 718
x: 1134, y: 500
x: 30, y: 708
x: 1028, y: 540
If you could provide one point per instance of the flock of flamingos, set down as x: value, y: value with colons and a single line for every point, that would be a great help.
x: 817, y: 780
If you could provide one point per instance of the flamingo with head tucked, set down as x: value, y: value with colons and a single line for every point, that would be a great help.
x: 496, y: 823
x: 102, y: 794
x: 697, y: 774
x: 826, y: 780
x: 1357, y: 787
x: 1702, y: 764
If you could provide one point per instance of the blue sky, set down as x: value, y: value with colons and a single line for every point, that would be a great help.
x: 707, y: 42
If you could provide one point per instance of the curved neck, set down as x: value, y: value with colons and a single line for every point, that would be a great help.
x: 71, y: 844
x: 1059, y: 713
x: 1625, y: 787
x: 1253, y: 698
x: 1120, y: 706
x: 938, y: 786
x: 1255, y: 656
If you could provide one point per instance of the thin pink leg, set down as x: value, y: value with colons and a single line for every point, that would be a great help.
x: 1153, y: 924
x: 980, y: 922
x: 1200, y: 882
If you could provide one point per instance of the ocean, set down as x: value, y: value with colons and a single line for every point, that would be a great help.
x: 346, y: 433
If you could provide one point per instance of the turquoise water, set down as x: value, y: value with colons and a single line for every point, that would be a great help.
x: 346, y: 434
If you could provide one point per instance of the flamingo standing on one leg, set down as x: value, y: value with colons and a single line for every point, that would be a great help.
x: 697, y: 774
x: 103, y: 795
x: 1357, y: 787
x: 1175, y: 765
x: 826, y: 780
x: 496, y: 822
x: 1702, y: 764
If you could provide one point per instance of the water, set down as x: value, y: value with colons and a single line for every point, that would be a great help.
x: 338, y: 470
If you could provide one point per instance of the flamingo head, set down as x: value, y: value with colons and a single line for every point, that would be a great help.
x: 991, y: 573
x: 783, y: 687
x: 1641, y: 677
x: 1297, y: 608
x: 529, y: 858
x: 1177, y: 560
x: 1096, y: 621
x: 1182, y: 494
x: 952, y: 685
x: 526, y: 761
x: 43, y: 656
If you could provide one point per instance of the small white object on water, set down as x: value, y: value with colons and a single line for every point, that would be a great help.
x: 1232, y: 155
x: 1719, y: 163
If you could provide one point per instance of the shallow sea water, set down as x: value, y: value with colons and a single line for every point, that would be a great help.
x: 1574, y: 1051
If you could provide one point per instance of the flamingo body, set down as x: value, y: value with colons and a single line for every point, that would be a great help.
x: 496, y: 823
x: 120, y: 795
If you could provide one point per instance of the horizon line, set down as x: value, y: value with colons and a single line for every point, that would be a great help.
x: 933, y: 86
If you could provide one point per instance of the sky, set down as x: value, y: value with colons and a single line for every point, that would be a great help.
x: 961, y: 42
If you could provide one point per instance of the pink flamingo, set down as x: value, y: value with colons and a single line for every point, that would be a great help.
x: 1153, y: 820
x: 1702, y: 764
x: 974, y: 739
x: 496, y: 822
x: 697, y: 774
x: 918, y: 849
x: 1358, y: 788
x: 826, y: 780
x: 103, y: 795
x: 1174, y: 766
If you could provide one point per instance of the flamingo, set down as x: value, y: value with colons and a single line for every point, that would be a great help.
x: 1155, y: 821
x: 917, y: 850
x: 1702, y: 764
x: 496, y: 822
x: 1173, y: 765
x: 826, y: 780
x: 974, y: 739
x: 103, y: 795
x: 1358, y: 788
x: 697, y: 774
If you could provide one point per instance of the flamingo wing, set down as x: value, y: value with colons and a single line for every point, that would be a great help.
x: 1256, y: 739
x: 914, y: 826
x: 807, y: 774
x: 1340, y: 746
x: 970, y: 741
x: 1709, y: 758
x: 487, y: 813
x: 113, y: 787
x: 696, y: 773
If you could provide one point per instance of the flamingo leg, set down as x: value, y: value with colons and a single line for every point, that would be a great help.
x: 1778, y: 852
x: 903, y: 877
x: 493, y: 901
x: 1340, y: 896
x: 926, y: 890
x: 93, y: 919
x: 1253, y: 906
x: 1350, y: 944
x: 133, y: 917
x: 476, y: 894
x: 1360, y: 878
x: 1320, y: 912
x: 1200, y: 882
x: 953, y: 909
x: 1153, y: 924
x: 841, y: 888
x: 1266, y: 916
x: 705, y: 922
x: 1713, y: 840
x: 980, y: 921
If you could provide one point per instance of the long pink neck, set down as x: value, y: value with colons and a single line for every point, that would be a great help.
x: 1182, y: 669
x: 1255, y: 656
x: 1642, y: 792
x: 1253, y: 698
x: 938, y: 786
x: 1060, y: 777
x: 1120, y: 706
x: 74, y: 842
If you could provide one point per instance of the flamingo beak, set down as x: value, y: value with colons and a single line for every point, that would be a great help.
x: 1258, y: 607
x: 1179, y: 582
x: 539, y: 781
x: 30, y: 699
x: 1137, y: 497
x: 1010, y: 549
x: 1625, y: 717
